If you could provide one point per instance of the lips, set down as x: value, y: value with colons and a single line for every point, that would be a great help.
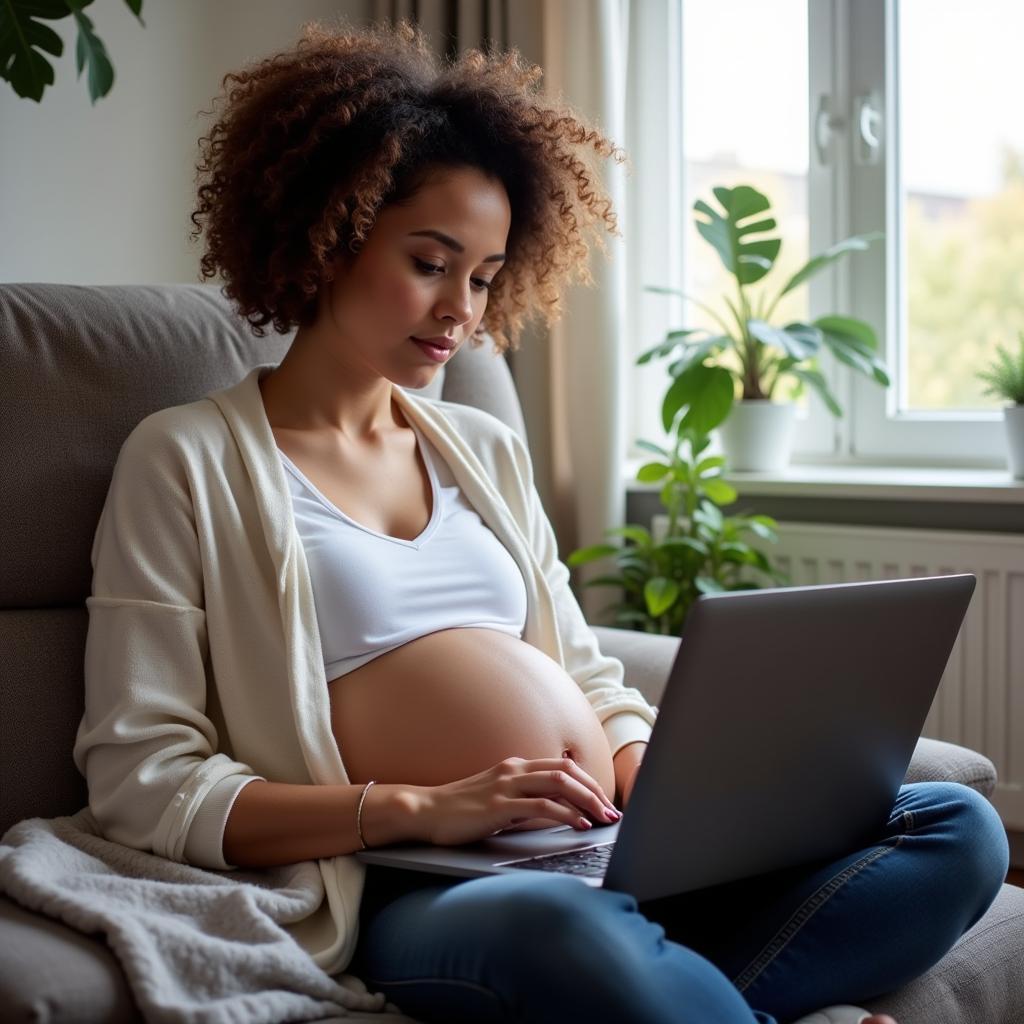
x: 441, y: 342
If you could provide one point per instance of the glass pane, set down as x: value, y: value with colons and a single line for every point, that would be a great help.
x: 961, y: 145
x: 745, y: 85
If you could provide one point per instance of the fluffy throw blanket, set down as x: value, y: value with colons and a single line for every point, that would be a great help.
x: 197, y: 946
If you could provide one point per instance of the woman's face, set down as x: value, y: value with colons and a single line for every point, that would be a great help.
x: 423, y: 272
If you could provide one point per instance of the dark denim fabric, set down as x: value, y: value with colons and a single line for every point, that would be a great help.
x: 542, y: 948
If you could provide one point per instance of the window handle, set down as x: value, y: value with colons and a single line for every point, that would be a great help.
x: 825, y: 123
x: 868, y: 113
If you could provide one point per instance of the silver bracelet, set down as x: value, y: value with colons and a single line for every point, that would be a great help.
x: 359, y: 813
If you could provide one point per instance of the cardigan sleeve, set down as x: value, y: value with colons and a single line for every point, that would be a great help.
x: 145, y: 745
x: 622, y: 710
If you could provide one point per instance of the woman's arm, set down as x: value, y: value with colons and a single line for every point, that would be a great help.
x: 273, y: 823
x: 626, y: 762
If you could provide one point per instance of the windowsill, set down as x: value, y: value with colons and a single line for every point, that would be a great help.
x: 899, y: 483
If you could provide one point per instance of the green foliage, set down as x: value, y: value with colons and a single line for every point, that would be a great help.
x: 24, y: 39
x: 965, y: 290
x: 749, y: 353
x: 1005, y: 374
x: 702, y: 551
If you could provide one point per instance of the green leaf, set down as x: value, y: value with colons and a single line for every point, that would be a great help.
x: 761, y: 529
x: 91, y: 52
x: 705, y: 391
x: 660, y: 594
x: 638, y: 534
x: 1004, y: 375
x: 711, y: 515
x: 857, y: 333
x: 673, y: 340
x: 711, y: 466
x: 652, y: 472
x: 697, y: 353
x: 719, y: 491
x: 135, y: 6
x: 748, y: 261
x: 854, y: 343
x: 648, y: 446
x: 606, y: 581
x: 818, y: 382
x: 583, y: 555
x: 21, y: 37
x: 623, y: 618
x: 800, y: 341
x: 822, y: 260
x: 690, y: 543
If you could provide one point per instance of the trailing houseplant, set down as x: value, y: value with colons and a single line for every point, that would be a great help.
x: 748, y: 357
x: 24, y: 40
x: 702, y: 550
x: 1005, y: 379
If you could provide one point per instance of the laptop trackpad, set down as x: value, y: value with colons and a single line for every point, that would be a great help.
x: 543, y: 840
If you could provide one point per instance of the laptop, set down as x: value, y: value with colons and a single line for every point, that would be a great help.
x: 785, y: 731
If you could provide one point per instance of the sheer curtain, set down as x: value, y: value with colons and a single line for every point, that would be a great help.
x: 611, y: 61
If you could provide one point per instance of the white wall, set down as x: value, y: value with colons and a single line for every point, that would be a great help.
x: 102, y: 194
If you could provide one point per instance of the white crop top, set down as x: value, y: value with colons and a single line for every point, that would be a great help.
x: 374, y: 593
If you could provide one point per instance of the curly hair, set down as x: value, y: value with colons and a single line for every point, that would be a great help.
x: 314, y: 141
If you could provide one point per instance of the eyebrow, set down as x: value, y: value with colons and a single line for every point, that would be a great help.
x: 454, y: 245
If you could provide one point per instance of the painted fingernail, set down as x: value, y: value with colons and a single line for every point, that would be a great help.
x: 585, y: 824
x: 612, y: 815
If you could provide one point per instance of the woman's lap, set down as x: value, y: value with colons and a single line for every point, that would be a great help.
x: 787, y: 942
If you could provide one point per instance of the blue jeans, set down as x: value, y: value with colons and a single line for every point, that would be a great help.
x: 541, y: 948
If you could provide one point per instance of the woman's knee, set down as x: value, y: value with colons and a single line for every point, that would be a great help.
x: 978, y: 848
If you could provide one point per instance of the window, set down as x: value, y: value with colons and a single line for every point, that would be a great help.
x: 855, y: 116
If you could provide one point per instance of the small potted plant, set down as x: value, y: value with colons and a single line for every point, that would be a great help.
x: 698, y: 549
x: 749, y: 357
x: 1005, y: 379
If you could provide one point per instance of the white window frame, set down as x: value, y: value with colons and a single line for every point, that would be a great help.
x: 852, y: 49
x: 880, y: 431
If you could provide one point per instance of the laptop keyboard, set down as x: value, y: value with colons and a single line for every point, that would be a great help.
x: 591, y: 860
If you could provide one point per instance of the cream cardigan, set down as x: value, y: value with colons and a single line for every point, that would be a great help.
x: 203, y: 666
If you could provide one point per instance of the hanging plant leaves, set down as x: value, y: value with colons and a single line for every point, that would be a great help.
x: 21, y: 37
x: 90, y: 52
x: 24, y: 39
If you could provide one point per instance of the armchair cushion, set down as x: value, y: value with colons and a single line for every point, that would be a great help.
x: 979, y: 981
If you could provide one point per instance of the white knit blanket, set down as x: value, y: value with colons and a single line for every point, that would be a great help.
x: 196, y: 946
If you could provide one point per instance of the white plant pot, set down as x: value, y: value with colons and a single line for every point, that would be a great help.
x: 757, y: 435
x: 1013, y: 417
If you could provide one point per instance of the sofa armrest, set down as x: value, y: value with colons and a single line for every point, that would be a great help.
x: 49, y: 971
x: 938, y: 761
x: 648, y: 657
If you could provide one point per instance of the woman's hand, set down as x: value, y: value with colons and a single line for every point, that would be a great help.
x: 512, y: 791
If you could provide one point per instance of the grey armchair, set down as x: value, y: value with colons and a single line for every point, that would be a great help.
x: 80, y: 367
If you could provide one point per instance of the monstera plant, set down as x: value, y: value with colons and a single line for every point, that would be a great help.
x: 747, y: 356
x: 25, y: 40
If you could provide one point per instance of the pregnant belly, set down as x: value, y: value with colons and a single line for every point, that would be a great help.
x: 452, y: 703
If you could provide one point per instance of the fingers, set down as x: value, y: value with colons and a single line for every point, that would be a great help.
x: 563, y: 778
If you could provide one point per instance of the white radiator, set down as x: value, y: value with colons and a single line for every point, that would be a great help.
x: 980, y: 701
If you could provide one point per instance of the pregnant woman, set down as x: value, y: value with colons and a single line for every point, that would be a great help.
x: 328, y: 614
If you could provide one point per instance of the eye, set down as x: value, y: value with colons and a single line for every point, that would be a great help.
x: 483, y: 285
x: 427, y: 268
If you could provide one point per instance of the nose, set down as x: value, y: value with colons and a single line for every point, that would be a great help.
x: 455, y: 304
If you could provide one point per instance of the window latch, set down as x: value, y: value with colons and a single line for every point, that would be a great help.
x: 867, y: 119
x: 867, y: 147
x: 825, y: 123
